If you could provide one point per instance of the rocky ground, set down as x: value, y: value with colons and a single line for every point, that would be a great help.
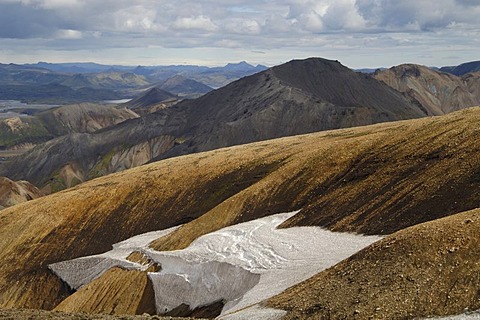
x: 29, y: 314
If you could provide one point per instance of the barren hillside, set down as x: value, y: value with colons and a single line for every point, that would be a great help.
x: 437, y: 92
x: 375, y: 179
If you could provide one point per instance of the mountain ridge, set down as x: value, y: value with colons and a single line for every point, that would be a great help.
x: 258, y: 107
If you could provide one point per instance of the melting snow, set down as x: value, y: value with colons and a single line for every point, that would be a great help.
x: 241, y: 264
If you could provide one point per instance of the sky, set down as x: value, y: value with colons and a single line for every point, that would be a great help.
x: 358, y: 33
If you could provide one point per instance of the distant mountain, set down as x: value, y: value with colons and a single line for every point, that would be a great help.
x: 184, y: 87
x: 33, y: 84
x: 243, y: 66
x: 20, y: 131
x: 151, y: 101
x: 107, y: 80
x: 368, y: 70
x: 298, y: 97
x: 62, y: 83
x: 56, y: 94
x: 437, y: 92
x: 77, y: 67
x: 463, y: 68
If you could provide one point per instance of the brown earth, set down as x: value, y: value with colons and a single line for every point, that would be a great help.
x: 15, y: 192
x: 128, y: 292
x: 33, y: 314
x: 373, y: 179
x: 430, y: 269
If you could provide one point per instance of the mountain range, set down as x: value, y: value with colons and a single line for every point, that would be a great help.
x: 89, y: 82
x: 298, y: 97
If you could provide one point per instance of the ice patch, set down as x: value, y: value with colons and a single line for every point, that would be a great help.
x: 241, y: 264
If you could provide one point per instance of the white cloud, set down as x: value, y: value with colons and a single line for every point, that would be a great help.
x: 69, y: 34
x: 196, y: 23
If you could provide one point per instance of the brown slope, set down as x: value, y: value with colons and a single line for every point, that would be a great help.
x: 83, y: 117
x: 12, y: 193
x: 117, y: 291
x: 438, y: 92
x: 419, y: 162
x: 428, y: 269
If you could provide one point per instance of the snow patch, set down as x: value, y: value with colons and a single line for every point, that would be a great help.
x: 241, y: 264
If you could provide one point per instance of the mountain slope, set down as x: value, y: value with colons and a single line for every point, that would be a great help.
x: 12, y: 193
x: 437, y: 92
x: 183, y: 86
x: 151, y: 101
x: 372, y: 179
x: 462, y: 69
x: 46, y: 125
x: 298, y: 97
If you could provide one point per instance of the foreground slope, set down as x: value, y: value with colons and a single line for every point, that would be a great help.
x: 301, y: 96
x: 428, y: 269
x: 374, y: 179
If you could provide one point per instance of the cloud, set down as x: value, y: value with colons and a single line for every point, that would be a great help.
x: 196, y: 23
x: 316, y: 26
x: 417, y: 15
x: 69, y: 34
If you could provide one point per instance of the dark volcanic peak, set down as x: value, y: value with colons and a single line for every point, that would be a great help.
x: 333, y: 82
x: 301, y: 96
x: 153, y: 96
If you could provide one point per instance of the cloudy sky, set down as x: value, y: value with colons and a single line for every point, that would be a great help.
x: 359, y: 33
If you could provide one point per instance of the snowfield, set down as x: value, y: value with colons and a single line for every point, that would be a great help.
x: 241, y: 264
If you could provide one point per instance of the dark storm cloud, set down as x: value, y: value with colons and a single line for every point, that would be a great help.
x: 22, y: 21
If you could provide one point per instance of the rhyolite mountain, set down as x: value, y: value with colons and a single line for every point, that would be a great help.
x: 395, y: 179
x: 298, y: 97
x: 436, y: 91
x: 59, y: 121
x: 15, y: 192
